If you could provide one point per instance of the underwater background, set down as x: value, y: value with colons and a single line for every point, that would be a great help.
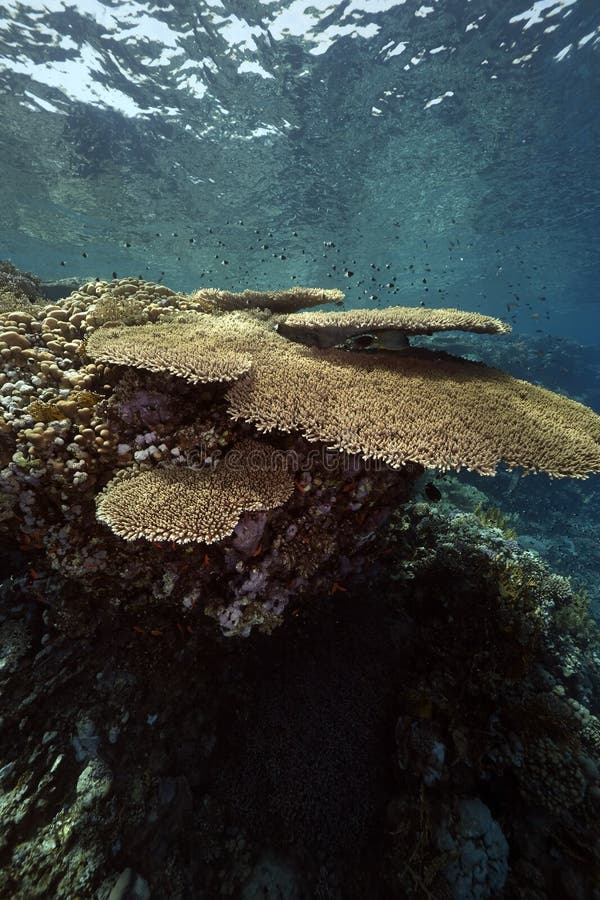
x: 443, y: 153
x: 440, y: 154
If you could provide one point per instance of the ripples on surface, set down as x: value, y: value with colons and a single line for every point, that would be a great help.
x: 454, y: 141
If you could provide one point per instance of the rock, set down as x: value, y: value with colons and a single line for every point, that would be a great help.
x: 272, y: 879
x: 94, y: 783
x: 479, y: 849
x: 86, y: 742
x: 130, y: 886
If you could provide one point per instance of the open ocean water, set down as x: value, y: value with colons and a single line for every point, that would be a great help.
x: 443, y: 153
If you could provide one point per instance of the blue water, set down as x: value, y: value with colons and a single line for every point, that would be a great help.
x: 442, y: 153
x: 455, y: 142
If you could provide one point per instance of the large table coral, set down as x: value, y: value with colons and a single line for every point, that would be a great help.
x: 135, y: 400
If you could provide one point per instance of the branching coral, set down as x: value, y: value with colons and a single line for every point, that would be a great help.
x: 205, y: 349
x: 287, y: 300
x: 418, y: 406
x: 492, y: 517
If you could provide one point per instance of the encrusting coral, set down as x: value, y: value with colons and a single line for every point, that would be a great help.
x: 118, y: 391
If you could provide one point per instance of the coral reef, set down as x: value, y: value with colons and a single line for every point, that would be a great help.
x: 433, y: 734
x: 504, y: 689
x: 561, y: 525
x: 75, y: 431
x: 131, y: 399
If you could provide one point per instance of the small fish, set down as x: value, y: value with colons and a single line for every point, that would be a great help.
x: 379, y: 340
x: 432, y: 493
x: 345, y: 337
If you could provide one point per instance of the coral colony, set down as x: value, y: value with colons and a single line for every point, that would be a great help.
x: 135, y: 466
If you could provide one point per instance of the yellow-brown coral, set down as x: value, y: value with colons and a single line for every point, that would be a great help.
x: 202, y: 349
x: 421, y: 407
x: 128, y: 301
x: 181, y: 504
x: 407, y: 319
x: 288, y: 300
